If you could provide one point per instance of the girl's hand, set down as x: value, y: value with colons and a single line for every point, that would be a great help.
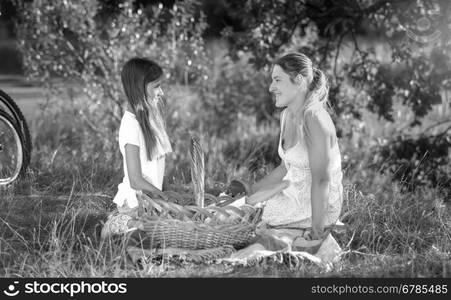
x: 133, y: 223
x: 158, y: 194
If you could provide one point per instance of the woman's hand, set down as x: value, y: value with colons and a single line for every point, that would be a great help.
x: 317, y: 233
x: 306, y: 243
x: 238, y: 187
x: 250, y: 201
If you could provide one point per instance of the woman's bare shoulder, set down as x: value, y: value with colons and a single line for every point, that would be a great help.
x: 319, y: 120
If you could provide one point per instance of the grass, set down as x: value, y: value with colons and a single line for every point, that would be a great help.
x: 43, y: 235
x: 50, y: 224
x: 50, y: 221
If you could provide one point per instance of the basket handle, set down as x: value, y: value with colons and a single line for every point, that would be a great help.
x: 224, y: 200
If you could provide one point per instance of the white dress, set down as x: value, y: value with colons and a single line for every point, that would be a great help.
x: 293, y: 204
x: 152, y: 170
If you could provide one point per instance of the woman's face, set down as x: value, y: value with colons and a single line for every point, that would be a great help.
x: 154, y: 91
x: 284, y: 90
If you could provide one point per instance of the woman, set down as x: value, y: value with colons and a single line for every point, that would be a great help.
x: 305, y: 191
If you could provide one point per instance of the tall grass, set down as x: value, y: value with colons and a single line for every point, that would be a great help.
x: 388, y: 235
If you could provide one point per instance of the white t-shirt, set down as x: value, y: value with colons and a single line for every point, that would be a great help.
x: 152, y: 170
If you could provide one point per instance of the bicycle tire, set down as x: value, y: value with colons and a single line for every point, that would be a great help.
x: 19, y: 169
x: 22, y: 124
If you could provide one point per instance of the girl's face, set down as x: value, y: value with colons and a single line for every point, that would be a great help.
x: 154, y: 91
x: 284, y: 90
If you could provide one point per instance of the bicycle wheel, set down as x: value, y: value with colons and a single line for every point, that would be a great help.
x: 11, y: 150
x: 20, y: 123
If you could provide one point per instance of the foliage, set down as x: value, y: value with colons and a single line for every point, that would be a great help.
x: 421, y: 161
x: 235, y: 89
x: 272, y: 26
x: 413, y: 69
x: 86, y: 46
x: 76, y: 43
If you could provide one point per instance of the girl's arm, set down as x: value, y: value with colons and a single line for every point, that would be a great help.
x: 274, y: 177
x: 319, y: 140
x: 137, y: 181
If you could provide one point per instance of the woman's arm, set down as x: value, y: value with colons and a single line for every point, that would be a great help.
x: 274, y: 177
x: 137, y: 181
x: 318, y: 133
x: 267, y: 192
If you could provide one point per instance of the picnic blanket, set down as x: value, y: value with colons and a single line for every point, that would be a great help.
x: 284, y: 245
x: 271, y: 242
x: 287, y: 243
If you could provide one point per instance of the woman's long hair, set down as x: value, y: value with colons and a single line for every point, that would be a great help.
x: 136, y: 74
x: 318, y: 87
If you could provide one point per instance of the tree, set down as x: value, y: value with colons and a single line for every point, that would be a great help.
x: 415, y: 72
x: 76, y: 40
x: 76, y: 49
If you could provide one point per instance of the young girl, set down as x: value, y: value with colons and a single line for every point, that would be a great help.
x: 305, y: 191
x: 143, y: 141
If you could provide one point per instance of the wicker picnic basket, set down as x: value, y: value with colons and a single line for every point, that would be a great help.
x: 209, y: 222
x: 171, y: 225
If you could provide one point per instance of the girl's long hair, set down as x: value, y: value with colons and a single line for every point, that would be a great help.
x: 136, y: 74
